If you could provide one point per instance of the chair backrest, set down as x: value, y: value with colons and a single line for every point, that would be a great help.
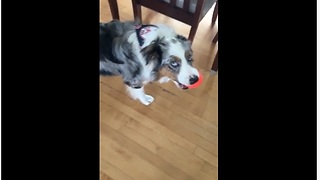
x: 186, y: 11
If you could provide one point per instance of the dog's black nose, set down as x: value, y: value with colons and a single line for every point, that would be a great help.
x: 194, y: 79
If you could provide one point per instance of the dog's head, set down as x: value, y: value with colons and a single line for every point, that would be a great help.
x: 177, y: 58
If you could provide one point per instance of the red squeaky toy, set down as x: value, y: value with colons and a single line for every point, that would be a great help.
x: 197, y: 84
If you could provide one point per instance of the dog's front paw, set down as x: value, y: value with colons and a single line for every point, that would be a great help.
x: 164, y: 79
x: 147, y: 100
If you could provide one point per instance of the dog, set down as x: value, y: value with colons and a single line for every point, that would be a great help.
x: 144, y: 53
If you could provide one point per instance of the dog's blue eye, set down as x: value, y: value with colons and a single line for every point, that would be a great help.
x: 174, y: 64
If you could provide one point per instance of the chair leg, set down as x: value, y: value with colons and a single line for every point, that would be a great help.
x: 215, y: 14
x: 114, y: 9
x: 193, y: 31
x: 136, y: 10
x: 215, y: 39
x: 215, y: 63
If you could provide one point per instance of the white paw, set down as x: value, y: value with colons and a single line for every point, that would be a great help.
x: 164, y: 79
x: 147, y: 100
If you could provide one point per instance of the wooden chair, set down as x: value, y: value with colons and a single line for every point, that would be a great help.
x: 214, y: 66
x: 113, y: 4
x: 190, y: 12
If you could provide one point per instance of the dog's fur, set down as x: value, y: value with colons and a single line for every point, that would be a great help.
x: 162, y: 55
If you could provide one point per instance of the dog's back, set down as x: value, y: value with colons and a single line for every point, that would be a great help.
x: 112, y: 40
x: 109, y: 32
x: 116, y: 55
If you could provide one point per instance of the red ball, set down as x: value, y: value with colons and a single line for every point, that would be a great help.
x: 197, y: 84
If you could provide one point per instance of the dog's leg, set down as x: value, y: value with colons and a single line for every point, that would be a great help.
x: 164, y: 79
x: 139, y: 94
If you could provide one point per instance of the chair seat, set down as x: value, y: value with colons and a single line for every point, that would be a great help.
x: 193, y: 3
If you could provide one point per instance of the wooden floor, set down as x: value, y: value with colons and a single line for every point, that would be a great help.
x: 173, y: 138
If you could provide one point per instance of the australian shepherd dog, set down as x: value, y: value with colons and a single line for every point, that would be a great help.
x: 143, y: 53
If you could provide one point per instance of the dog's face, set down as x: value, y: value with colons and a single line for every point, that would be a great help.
x: 177, y: 61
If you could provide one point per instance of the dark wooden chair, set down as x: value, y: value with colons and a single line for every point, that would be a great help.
x: 113, y: 4
x: 190, y: 12
x: 214, y: 66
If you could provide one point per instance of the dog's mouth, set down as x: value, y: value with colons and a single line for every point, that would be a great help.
x: 181, y: 86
